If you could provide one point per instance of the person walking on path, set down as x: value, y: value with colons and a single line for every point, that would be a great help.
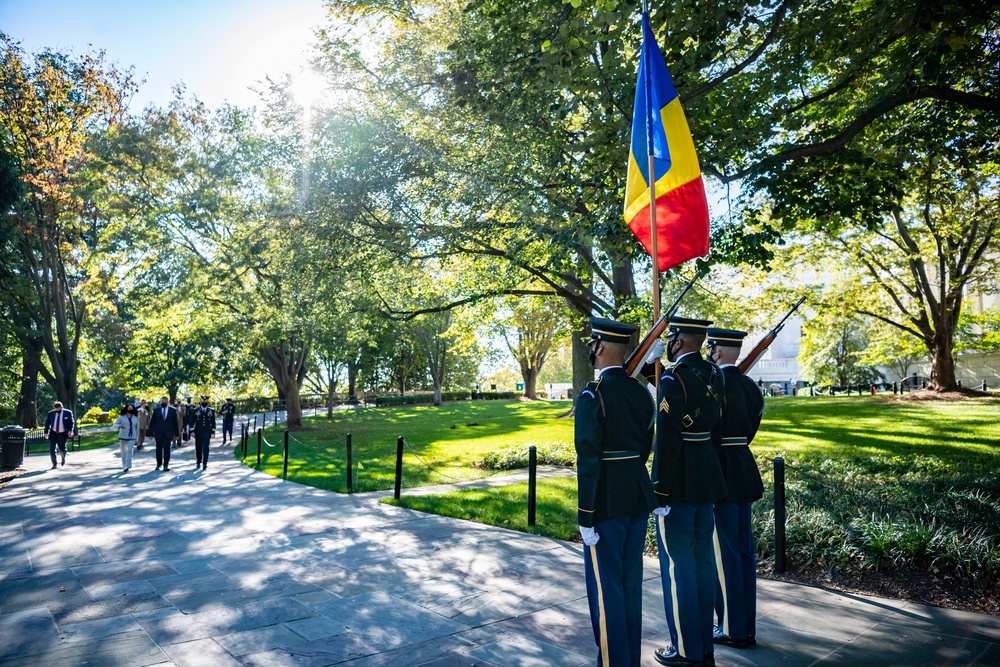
x: 188, y: 419
x: 613, y: 434
x: 142, y: 413
x: 163, y: 423
x: 228, y: 411
x: 128, y: 432
x: 59, y: 425
x: 688, y: 481
x: 736, y: 591
x: 181, y: 416
x: 203, y: 424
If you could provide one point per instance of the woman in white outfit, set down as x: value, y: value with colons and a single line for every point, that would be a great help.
x: 128, y: 432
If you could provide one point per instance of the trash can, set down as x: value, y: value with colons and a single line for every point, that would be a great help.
x: 12, y: 440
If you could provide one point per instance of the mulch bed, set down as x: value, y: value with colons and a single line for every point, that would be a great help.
x: 930, y: 395
x: 919, y: 587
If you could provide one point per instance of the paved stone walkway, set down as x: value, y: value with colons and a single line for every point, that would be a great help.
x: 233, y: 567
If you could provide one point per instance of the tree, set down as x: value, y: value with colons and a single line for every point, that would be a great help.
x: 53, y: 113
x: 835, y: 337
x: 923, y: 254
x: 530, y: 331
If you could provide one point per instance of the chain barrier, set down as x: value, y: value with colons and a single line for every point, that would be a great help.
x: 265, y: 439
x: 441, y: 474
x: 411, y: 452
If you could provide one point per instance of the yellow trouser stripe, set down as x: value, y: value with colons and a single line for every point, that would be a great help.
x: 605, y: 655
x: 722, y: 579
x: 673, y: 586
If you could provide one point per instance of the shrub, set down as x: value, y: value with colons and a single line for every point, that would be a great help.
x: 498, y: 395
x: 417, y: 399
x: 92, y: 415
x: 886, y: 513
x: 511, y: 458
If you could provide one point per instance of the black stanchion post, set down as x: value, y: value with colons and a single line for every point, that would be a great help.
x: 259, y: 436
x: 779, y: 515
x: 284, y: 468
x: 350, y: 466
x: 895, y: 388
x: 984, y: 385
x: 399, y: 467
x: 532, y: 469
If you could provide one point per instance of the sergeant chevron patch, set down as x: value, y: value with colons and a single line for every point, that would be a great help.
x: 664, y: 406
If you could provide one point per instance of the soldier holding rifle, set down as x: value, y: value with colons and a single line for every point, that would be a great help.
x: 614, y: 436
x: 736, y: 594
x: 688, y: 481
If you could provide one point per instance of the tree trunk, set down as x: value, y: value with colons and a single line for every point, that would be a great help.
x: 352, y: 381
x: 31, y: 365
x: 286, y: 362
x: 942, y: 364
x: 530, y: 376
x: 330, y: 387
x: 583, y: 371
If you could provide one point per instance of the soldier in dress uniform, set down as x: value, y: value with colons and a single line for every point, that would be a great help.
x: 688, y: 482
x: 614, y: 437
x: 228, y: 411
x: 203, y: 425
x: 736, y: 592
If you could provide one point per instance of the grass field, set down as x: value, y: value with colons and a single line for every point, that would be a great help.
x: 443, y: 442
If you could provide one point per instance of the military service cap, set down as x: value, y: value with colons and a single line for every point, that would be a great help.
x: 726, y: 337
x: 609, y: 331
x: 679, y: 325
x: 204, y: 398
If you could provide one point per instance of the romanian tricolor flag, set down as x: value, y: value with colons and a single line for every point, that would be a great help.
x: 681, y: 206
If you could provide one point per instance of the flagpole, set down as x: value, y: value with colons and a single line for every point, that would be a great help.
x: 652, y: 180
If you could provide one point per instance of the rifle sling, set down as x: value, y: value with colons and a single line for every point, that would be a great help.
x: 710, y: 393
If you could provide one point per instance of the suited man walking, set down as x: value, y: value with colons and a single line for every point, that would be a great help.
x: 58, y: 427
x: 163, y: 424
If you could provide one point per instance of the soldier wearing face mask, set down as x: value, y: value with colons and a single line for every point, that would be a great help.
x: 614, y: 437
x: 163, y: 423
x: 688, y: 481
x: 203, y: 424
x: 736, y: 594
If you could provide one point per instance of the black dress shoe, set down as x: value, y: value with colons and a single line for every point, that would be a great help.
x: 670, y: 656
x: 708, y: 660
x: 166, y: 469
x: 726, y: 640
x: 54, y: 466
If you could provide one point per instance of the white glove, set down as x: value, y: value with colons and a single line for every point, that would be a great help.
x: 590, y: 536
x: 655, y: 352
x: 662, y: 511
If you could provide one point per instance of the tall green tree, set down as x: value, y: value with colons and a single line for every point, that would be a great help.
x: 54, y: 113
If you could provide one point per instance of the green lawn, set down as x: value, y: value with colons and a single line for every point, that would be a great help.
x: 871, y: 485
x: 443, y: 442
x: 507, y: 506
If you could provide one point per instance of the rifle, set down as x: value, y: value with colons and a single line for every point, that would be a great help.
x: 634, y: 362
x: 749, y: 361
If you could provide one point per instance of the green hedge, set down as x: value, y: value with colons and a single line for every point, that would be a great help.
x: 497, y: 395
x: 415, y: 399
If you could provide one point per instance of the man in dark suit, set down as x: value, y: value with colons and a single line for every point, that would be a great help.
x: 736, y: 592
x: 163, y: 424
x: 613, y: 434
x: 688, y: 481
x: 58, y: 427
